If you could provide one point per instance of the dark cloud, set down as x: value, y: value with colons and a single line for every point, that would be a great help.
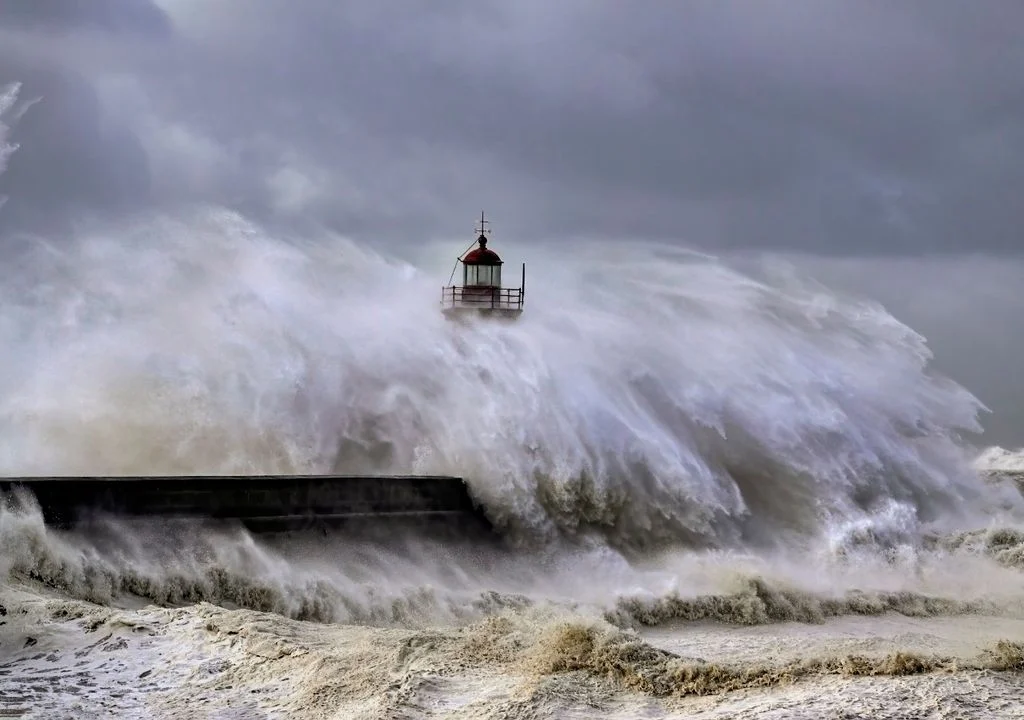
x: 108, y: 15
x: 75, y: 156
x: 72, y: 158
x: 827, y: 127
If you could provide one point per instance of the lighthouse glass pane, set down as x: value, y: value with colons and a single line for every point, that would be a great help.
x: 483, y: 275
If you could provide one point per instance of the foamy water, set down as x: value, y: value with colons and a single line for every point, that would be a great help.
x: 721, y: 497
x: 1001, y: 462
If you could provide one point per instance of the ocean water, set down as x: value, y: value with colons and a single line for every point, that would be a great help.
x: 720, y: 496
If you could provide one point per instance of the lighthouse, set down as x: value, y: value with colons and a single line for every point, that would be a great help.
x: 481, y: 291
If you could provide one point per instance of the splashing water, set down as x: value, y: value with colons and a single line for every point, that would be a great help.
x: 647, y: 394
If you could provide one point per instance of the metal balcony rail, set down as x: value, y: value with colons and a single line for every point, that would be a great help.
x: 482, y: 298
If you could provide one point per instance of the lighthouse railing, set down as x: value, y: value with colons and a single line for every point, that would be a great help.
x: 483, y: 298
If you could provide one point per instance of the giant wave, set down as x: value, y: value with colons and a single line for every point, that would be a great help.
x: 648, y: 395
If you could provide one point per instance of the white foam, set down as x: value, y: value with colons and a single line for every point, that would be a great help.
x: 1000, y: 461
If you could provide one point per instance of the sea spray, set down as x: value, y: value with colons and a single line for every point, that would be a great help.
x: 645, y: 400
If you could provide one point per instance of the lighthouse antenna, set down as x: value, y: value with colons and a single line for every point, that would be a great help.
x: 482, y: 230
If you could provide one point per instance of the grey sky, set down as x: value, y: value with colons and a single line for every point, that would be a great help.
x: 821, y: 126
x: 860, y: 129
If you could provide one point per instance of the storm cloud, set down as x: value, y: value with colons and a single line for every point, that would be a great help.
x: 855, y: 137
x: 825, y: 127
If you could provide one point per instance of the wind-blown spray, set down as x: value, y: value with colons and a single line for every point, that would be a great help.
x: 648, y: 395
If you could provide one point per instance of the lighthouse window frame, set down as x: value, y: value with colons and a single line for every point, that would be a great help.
x: 482, y: 275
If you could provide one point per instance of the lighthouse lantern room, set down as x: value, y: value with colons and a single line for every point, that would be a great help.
x: 481, y: 291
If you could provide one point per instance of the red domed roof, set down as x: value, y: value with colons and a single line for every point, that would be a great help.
x: 481, y: 255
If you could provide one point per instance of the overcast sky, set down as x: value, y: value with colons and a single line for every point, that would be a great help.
x: 859, y: 127
x: 851, y: 131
